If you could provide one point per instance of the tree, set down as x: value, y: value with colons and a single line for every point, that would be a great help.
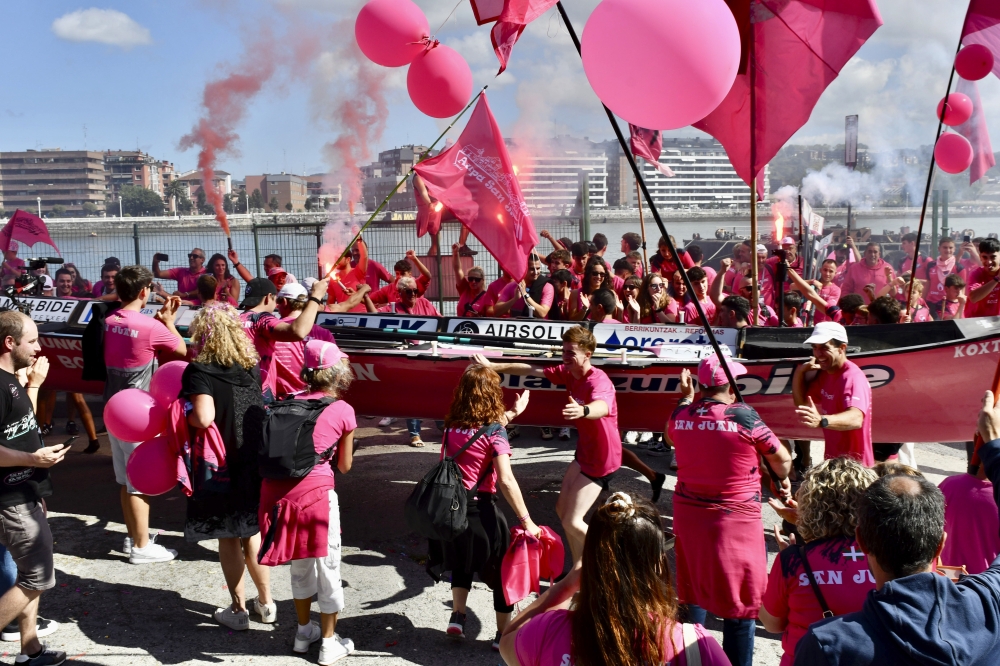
x: 185, y: 205
x: 136, y: 201
x: 175, y: 190
x: 204, y: 207
x: 89, y: 208
x: 228, y: 204
x: 256, y: 200
x: 288, y: 206
x: 273, y: 204
x: 58, y: 210
x: 309, y: 203
x: 326, y: 202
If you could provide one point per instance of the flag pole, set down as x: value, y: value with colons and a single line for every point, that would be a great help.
x: 754, y: 267
x: 642, y: 227
x: 392, y: 192
x: 641, y: 184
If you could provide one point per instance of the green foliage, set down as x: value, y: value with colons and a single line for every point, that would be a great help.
x: 288, y: 206
x: 89, y: 208
x: 136, y: 201
x: 204, y: 207
x: 273, y: 204
x: 256, y: 200
x: 58, y: 210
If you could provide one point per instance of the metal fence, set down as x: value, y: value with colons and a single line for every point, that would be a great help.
x: 296, y: 237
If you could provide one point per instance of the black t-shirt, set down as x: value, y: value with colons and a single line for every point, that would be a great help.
x: 20, y: 485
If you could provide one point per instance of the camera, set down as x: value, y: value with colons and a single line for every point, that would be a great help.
x: 160, y: 256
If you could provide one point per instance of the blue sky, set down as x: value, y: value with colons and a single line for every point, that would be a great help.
x: 144, y: 88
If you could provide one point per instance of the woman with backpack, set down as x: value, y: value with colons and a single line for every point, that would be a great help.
x: 626, y: 608
x: 223, y: 386
x: 477, y: 409
x: 299, y: 508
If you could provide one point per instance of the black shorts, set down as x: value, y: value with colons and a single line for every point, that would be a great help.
x: 603, y: 481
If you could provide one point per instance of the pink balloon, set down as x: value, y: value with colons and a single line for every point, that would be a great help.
x: 166, y: 383
x: 953, y: 153
x: 133, y: 415
x: 152, y: 467
x: 390, y: 32
x: 439, y: 82
x: 661, y: 64
x: 974, y: 62
x: 959, y: 109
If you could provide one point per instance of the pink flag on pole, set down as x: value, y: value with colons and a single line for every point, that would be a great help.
x: 475, y: 180
x: 512, y: 18
x: 974, y: 129
x: 26, y: 228
x: 799, y: 48
x: 982, y: 26
x: 648, y: 144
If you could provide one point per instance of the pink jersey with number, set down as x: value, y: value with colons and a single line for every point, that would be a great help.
x: 599, y: 447
x: 837, y: 392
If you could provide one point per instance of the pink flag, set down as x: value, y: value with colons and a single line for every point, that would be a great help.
x: 510, y: 22
x: 475, y: 180
x: 982, y: 26
x: 974, y: 129
x: 648, y: 144
x: 799, y: 48
x: 26, y: 228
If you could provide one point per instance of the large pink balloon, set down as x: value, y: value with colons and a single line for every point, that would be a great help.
x: 953, y: 153
x: 389, y: 32
x: 661, y: 64
x: 166, y: 383
x: 134, y: 415
x: 959, y: 109
x: 974, y: 62
x: 152, y: 467
x: 439, y: 82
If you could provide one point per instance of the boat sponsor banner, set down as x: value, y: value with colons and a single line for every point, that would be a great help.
x: 657, y: 335
x: 528, y: 330
x: 384, y: 321
x: 184, y: 313
x: 45, y: 309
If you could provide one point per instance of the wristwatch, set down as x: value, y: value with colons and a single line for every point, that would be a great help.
x: 824, y: 422
x: 586, y: 411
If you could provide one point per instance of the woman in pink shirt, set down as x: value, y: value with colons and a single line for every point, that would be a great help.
x: 595, y: 276
x: 474, y: 300
x: 625, y: 610
x: 477, y: 409
x: 300, y: 517
x: 826, y: 517
x: 227, y: 289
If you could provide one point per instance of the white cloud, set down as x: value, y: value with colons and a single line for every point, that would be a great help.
x: 105, y: 26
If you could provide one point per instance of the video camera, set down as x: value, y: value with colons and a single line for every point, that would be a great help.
x: 28, y: 284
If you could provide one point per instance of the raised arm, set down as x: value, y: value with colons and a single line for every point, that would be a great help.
x: 157, y: 273
x: 412, y: 256
x: 165, y: 316
x: 544, y: 233
x: 808, y: 292
x: 715, y: 289
x: 520, y: 369
x: 240, y: 268
x: 301, y: 326
x: 457, y: 263
x: 363, y: 255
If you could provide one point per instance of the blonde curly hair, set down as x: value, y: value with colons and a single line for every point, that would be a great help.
x: 829, y: 496
x: 217, y: 336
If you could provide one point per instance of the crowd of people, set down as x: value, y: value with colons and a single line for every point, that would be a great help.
x: 863, y: 545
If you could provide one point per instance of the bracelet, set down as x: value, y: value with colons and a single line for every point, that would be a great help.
x: 523, y: 519
x: 316, y: 301
x: 586, y: 411
x: 237, y: 264
x: 683, y: 402
x: 29, y: 386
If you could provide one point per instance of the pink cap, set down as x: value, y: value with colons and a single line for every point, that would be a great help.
x: 788, y: 240
x: 711, y: 373
x: 277, y: 270
x: 320, y: 354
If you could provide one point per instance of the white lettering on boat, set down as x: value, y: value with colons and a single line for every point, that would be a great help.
x: 961, y: 351
x: 364, y: 372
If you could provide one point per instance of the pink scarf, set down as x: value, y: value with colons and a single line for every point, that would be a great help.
x: 944, y: 269
x: 528, y: 561
x: 201, y: 453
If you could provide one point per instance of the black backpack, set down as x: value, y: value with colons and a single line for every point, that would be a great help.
x: 286, y: 449
x: 436, y: 509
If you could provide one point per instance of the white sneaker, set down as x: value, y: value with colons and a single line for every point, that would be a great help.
x: 306, y: 636
x: 268, y: 612
x: 631, y: 437
x: 334, y: 648
x: 646, y: 436
x: 151, y: 554
x: 235, y: 620
x: 127, y: 546
x: 564, y: 434
x: 386, y: 422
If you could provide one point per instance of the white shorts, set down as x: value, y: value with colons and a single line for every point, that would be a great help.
x: 120, y: 452
x: 321, y: 575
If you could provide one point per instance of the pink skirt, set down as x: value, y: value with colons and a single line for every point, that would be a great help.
x: 721, y: 556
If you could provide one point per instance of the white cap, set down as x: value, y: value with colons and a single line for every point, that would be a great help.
x: 292, y: 291
x: 761, y: 247
x: 290, y: 278
x: 825, y: 331
x: 49, y: 284
x: 308, y: 282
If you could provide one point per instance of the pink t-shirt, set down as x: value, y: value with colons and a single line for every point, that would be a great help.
x: 599, y: 447
x: 187, y: 280
x: 711, y: 273
x: 691, y: 313
x: 831, y: 294
x: 260, y: 327
x: 971, y: 521
x: 860, y: 274
x: 546, y: 640
x: 836, y: 393
x: 936, y: 272
x: 949, y: 309
x: 336, y: 421
x: 989, y: 306
x: 390, y: 292
x: 336, y: 294
x: 376, y: 274
x: 421, y: 308
x: 474, y: 460
x: 470, y: 305
x: 920, y: 312
x: 289, y: 357
x: 510, y: 291
x: 841, y: 572
x: 16, y: 268
x: 131, y: 339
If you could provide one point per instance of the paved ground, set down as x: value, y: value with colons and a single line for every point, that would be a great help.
x: 115, y: 613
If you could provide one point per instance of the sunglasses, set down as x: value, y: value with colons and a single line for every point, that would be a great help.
x: 601, y: 275
x: 474, y: 279
x: 196, y: 256
x: 632, y: 285
x: 407, y: 291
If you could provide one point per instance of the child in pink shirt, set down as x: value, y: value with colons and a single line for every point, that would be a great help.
x: 971, y: 521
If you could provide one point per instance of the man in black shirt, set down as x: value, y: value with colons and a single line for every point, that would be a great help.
x: 24, y: 483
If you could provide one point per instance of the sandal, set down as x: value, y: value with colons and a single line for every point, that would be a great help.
x: 416, y: 442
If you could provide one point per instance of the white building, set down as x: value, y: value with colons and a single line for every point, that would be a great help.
x: 553, y: 182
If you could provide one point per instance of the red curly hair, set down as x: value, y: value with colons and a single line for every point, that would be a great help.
x: 477, y: 399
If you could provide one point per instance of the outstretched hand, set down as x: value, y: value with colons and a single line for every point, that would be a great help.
x: 989, y: 419
x: 808, y: 414
x: 479, y: 359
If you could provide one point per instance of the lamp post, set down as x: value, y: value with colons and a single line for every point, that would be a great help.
x: 120, y: 215
x: 39, y: 200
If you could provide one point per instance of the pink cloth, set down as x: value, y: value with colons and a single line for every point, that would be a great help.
x: 528, y: 561
x: 831, y: 294
x: 336, y: 294
x: 26, y: 228
x: 474, y: 460
x: 376, y: 274
x: 337, y: 420
x: 289, y: 358
x: 599, y: 447
x: 514, y: 18
x: 201, y: 453
x: 841, y: 572
x: 475, y: 180
x: 131, y: 339
x: 294, y: 517
x: 860, y: 274
x: 259, y: 326
x: 971, y: 521
x: 989, y: 306
x: 836, y: 393
x: 935, y: 274
x: 187, y: 280
x: 17, y: 264
x: 421, y: 308
x: 390, y: 292
x: 691, y: 313
x: 920, y: 313
x: 648, y: 144
x: 428, y: 217
x: 546, y: 640
x: 472, y: 305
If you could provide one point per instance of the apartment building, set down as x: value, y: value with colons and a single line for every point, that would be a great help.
x: 285, y: 187
x: 44, y: 178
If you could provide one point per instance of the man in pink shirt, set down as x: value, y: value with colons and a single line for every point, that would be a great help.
x: 699, y: 282
x: 346, y: 279
x: 602, y: 307
x: 376, y: 274
x: 593, y: 409
x: 403, y: 268
x: 530, y: 298
x: 187, y: 278
x: 289, y: 356
x: 842, y: 391
x: 409, y: 301
x: 984, y: 296
x: 131, y: 343
x: 872, y: 269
